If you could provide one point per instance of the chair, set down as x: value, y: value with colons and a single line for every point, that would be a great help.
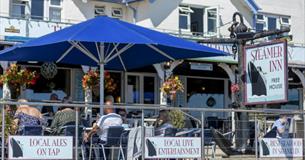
x: 113, y: 141
x: 209, y: 142
x: 31, y: 130
x: 271, y: 133
x: 170, y: 132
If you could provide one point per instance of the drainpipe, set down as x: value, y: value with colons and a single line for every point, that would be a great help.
x: 134, y: 10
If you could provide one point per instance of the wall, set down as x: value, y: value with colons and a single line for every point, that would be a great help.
x: 295, y: 9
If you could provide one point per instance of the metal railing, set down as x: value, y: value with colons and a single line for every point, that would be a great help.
x: 256, y: 117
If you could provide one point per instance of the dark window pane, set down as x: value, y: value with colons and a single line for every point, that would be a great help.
x: 211, y: 25
x: 37, y: 9
x: 183, y: 22
x: 271, y: 23
x: 259, y: 27
x: 55, y: 2
x: 259, y: 16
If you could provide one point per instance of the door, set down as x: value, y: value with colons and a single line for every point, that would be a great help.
x: 141, y: 89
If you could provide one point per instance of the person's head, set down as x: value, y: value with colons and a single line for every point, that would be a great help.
x: 283, y: 118
x: 23, y: 101
x: 109, y: 100
x: 53, y: 96
x: 65, y: 100
x: 108, y: 110
x: 163, y: 115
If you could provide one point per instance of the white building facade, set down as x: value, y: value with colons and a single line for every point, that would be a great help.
x: 21, y: 20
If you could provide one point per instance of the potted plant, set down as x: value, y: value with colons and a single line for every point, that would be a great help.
x: 177, y: 118
x: 171, y: 86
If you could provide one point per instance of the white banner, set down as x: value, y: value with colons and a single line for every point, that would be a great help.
x: 282, y: 148
x: 265, y: 68
x: 172, y: 147
x: 40, y: 147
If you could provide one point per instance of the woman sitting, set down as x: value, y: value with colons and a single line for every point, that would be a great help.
x: 27, y: 116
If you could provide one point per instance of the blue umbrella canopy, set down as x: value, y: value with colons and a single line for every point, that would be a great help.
x: 108, y: 43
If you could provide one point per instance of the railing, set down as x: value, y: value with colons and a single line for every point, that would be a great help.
x: 243, y: 133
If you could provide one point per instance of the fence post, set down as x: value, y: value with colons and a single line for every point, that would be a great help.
x: 256, y: 136
x: 76, y: 133
x: 143, y: 135
x: 202, y: 136
x: 3, y: 132
x: 303, y: 135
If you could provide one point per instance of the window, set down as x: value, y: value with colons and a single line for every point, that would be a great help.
x: 37, y: 7
x: 18, y: 8
x: 211, y: 21
x: 117, y: 13
x: 260, y: 22
x: 55, y: 10
x: 99, y: 11
x: 184, y: 17
x: 285, y: 21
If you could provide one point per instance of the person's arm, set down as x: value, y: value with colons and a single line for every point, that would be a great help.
x: 95, y: 128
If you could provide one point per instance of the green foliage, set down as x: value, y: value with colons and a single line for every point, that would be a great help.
x: 177, y: 118
x: 9, y: 124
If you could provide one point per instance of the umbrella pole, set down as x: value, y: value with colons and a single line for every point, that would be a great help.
x: 102, y: 59
x: 101, y: 89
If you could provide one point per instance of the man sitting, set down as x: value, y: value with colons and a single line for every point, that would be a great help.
x: 162, y: 123
x: 282, y: 125
x: 104, y: 122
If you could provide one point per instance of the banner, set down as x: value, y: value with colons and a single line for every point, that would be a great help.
x: 281, y: 148
x: 265, y: 71
x: 40, y: 147
x: 172, y: 147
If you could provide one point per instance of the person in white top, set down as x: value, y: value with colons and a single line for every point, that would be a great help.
x: 108, y: 119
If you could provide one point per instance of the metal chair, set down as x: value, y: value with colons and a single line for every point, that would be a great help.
x: 114, y: 135
x: 36, y: 130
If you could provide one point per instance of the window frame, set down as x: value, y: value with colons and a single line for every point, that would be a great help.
x: 22, y: 3
x: 115, y: 15
x: 55, y: 7
x: 97, y: 12
x: 185, y: 10
x: 206, y: 22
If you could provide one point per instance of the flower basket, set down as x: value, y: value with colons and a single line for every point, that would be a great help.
x: 234, y: 88
x: 17, y: 78
x: 92, y: 78
x: 171, y: 86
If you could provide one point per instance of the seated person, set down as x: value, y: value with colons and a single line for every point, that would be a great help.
x: 64, y: 116
x: 282, y: 125
x: 102, y: 125
x: 162, y: 123
x: 27, y: 116
x: 49, y: 109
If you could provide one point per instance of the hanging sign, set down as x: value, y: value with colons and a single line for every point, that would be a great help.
x: 265, y: 72
x: 172, y: 147
x: 281, y: 147
x: 40, y: 147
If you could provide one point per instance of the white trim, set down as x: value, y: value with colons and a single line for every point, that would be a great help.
x: 185, y: 9
x: 118, y: 53
x: 161, y: 52
x: 65, y: 53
